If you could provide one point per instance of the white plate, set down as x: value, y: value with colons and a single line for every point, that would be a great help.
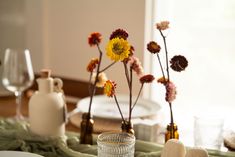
x: 105, y: 107
x: 17, y: 154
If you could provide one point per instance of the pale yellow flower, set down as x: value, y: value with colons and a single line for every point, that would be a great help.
x: 102, y: 78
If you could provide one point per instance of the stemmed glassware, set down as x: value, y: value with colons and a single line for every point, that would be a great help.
x: 17, y: 74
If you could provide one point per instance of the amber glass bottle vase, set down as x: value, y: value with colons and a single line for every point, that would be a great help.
x: 127, y: 127
x: 171, y: 132
x: 86, y: 129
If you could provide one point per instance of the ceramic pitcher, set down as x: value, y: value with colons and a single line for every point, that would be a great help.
x: 47, y: 109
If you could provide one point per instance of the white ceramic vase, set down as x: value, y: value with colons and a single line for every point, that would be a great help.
x: 47, y: 109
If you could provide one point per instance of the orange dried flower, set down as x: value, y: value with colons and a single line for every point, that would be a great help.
x: 153, y: 47
x: 94, y: 38
x: 162, y: 80
x: 92, y: 64
x: 147, y: 79
x: 109, y: 88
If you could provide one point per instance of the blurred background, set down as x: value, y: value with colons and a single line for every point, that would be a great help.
x: 56, y: 32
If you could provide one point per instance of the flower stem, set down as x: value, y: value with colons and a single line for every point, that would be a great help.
x: 167, y: 65
x: 168, y: 75
x: 130, y: 101
x: 159, y: 60
x: 96, y: 79
x: 89, y: 87
x: 127, y: 75
x: 115, y: 98
x: 108, y: 66
x: 142, y: 85
x: 172, y: 119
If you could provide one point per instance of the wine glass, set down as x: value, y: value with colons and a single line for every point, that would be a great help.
x: 17, y: 74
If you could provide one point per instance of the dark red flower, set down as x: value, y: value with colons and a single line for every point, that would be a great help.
x: 178, y: 63
x: 153, y: 47
x: 147, y: 78
x: 119, y: 33
x: 94, y: 38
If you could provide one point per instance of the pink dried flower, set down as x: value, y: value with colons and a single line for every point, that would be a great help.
x: 135, y: 64
x: 170, y: 92
x: 163, y: 25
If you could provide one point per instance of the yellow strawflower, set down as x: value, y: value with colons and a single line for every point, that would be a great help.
x: 118, y: 49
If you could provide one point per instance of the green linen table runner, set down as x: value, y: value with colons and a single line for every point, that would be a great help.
x: 17, y: 136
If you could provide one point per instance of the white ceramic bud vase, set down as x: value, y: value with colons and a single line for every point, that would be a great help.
x: 47, y: 109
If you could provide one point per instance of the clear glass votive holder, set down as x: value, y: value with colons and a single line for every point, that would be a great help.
x: 208, y: 132
x: 116, y: 144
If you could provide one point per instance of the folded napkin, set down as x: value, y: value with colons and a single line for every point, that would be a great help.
x: 17, y: 136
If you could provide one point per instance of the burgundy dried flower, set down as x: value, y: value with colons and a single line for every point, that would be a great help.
x: 153, y: 47
x: 120, y: 33
x: 135, y: 64
x: 170, y: 92
x: 94, y: 38
x: 92, y: 64
x: 162, y: 25
x: 147, y: 79
x: 178, y: 63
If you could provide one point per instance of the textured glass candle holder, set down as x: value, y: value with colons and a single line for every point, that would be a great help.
x: 116, y: 144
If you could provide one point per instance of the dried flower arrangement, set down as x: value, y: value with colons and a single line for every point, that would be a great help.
x: 118, y: 49
x: 177, y: 63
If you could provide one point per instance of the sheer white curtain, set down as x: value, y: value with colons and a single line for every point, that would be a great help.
x: 204, y: 32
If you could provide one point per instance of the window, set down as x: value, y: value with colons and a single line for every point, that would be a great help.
x: 204, y: 32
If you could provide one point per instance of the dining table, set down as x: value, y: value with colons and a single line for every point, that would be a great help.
x: 16, y: 136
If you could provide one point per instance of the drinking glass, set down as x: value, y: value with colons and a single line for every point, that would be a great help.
x: 208, y: 132
x: 17, y: 74
x: 116, y: 144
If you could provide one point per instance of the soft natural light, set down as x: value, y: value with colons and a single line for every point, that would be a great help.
x: 204, y: 32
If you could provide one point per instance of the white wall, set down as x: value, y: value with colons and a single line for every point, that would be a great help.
x: 12, y: 28
x: 57, y: 33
